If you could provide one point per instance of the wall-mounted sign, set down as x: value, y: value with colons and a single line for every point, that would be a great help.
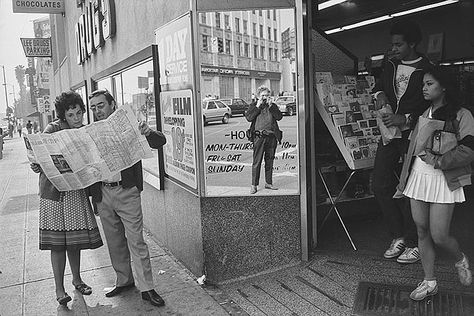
x: 38, y: 6
x: 95, y: 26
x: 175, y: 55
x: 36, y: 47
x: 219, y: 71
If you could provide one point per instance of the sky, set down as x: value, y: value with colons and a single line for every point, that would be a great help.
x: 12, y: 27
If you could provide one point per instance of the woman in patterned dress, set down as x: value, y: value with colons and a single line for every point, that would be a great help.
x: 67, y: 223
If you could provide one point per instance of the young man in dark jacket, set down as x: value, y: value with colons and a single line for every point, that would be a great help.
x: 264, y: 116
x: 400, y: 86
x: 119, y: 204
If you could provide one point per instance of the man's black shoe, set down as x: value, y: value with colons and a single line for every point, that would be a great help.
x: 119, y: 289
x: 153, y: 297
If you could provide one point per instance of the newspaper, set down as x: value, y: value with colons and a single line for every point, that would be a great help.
x: 73, y: 159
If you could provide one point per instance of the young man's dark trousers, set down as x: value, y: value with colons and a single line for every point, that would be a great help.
x: 264, y: 147
x: 397, y: 212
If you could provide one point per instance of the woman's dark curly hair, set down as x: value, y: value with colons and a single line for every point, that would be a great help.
x: 66, y: 101
x: 452, y: 105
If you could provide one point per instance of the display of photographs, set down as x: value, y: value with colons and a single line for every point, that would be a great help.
x: 323, y: 77
x: 362, y: 141
x: 375, y: 131
x: 339, y: 119
x: 371, y: 81
x: 349, y: 117
x: 373, y: 150
x: 363, y: 124
x: 323, y: 91
x: 344, y: 106
x: 359, y: 133
x: 357, y: 116
x: 352, y: 142
x: 331, y: 109
x: 365, y: 152
x: 367, y: 115
x: 356, y: 154
x: 346, y: 130
x: 355, y: 127
x: 367, y: 131
x: 355, y: 106
x: 373, y: 123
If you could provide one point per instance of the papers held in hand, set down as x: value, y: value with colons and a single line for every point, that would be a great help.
x: 388, y: 133
x: 430, y: 135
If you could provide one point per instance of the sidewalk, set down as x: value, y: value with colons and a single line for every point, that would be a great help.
x: 26, y: 279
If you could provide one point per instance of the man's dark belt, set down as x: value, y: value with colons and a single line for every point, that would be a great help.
x: 264, y: 133
x: 112, y: 184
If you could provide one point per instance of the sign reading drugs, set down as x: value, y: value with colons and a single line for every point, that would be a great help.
x: 36, y: 47
x: 38, y: 6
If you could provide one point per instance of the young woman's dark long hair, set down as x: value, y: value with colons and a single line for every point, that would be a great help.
x: 452, y: 105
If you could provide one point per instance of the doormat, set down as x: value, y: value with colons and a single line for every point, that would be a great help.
x: 376, y: 299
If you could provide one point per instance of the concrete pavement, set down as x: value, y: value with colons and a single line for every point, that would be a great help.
x: 26, y: 279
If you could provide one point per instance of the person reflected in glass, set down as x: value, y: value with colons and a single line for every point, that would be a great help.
x: 434, y: 181
x: 66, y: 220
x: 265, y: 132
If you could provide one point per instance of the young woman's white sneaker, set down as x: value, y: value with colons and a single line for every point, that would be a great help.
x: 424, y: 289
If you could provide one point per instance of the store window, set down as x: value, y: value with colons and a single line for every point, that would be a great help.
x: 228, y: 154
x: 138, y: 92
x: 226, y: 87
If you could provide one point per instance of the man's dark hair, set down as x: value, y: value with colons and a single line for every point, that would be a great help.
x: 410, y: 31
x: 66, y: 101
x: 104, y: 92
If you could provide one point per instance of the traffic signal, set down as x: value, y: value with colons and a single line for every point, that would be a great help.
x: 220, y: 45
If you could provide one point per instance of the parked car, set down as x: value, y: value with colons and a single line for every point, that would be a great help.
x: 237, y: 105
x: 286, y: 104
x: 215, y: 110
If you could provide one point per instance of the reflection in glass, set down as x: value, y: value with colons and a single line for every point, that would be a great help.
x: 136, y: 86
x: 235, y: 61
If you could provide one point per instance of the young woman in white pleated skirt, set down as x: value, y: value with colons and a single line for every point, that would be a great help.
x: 435, y: 182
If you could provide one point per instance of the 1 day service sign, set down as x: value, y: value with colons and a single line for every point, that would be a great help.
x: 36, y: 47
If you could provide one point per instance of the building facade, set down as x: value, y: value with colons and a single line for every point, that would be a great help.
x: 240, y: 51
